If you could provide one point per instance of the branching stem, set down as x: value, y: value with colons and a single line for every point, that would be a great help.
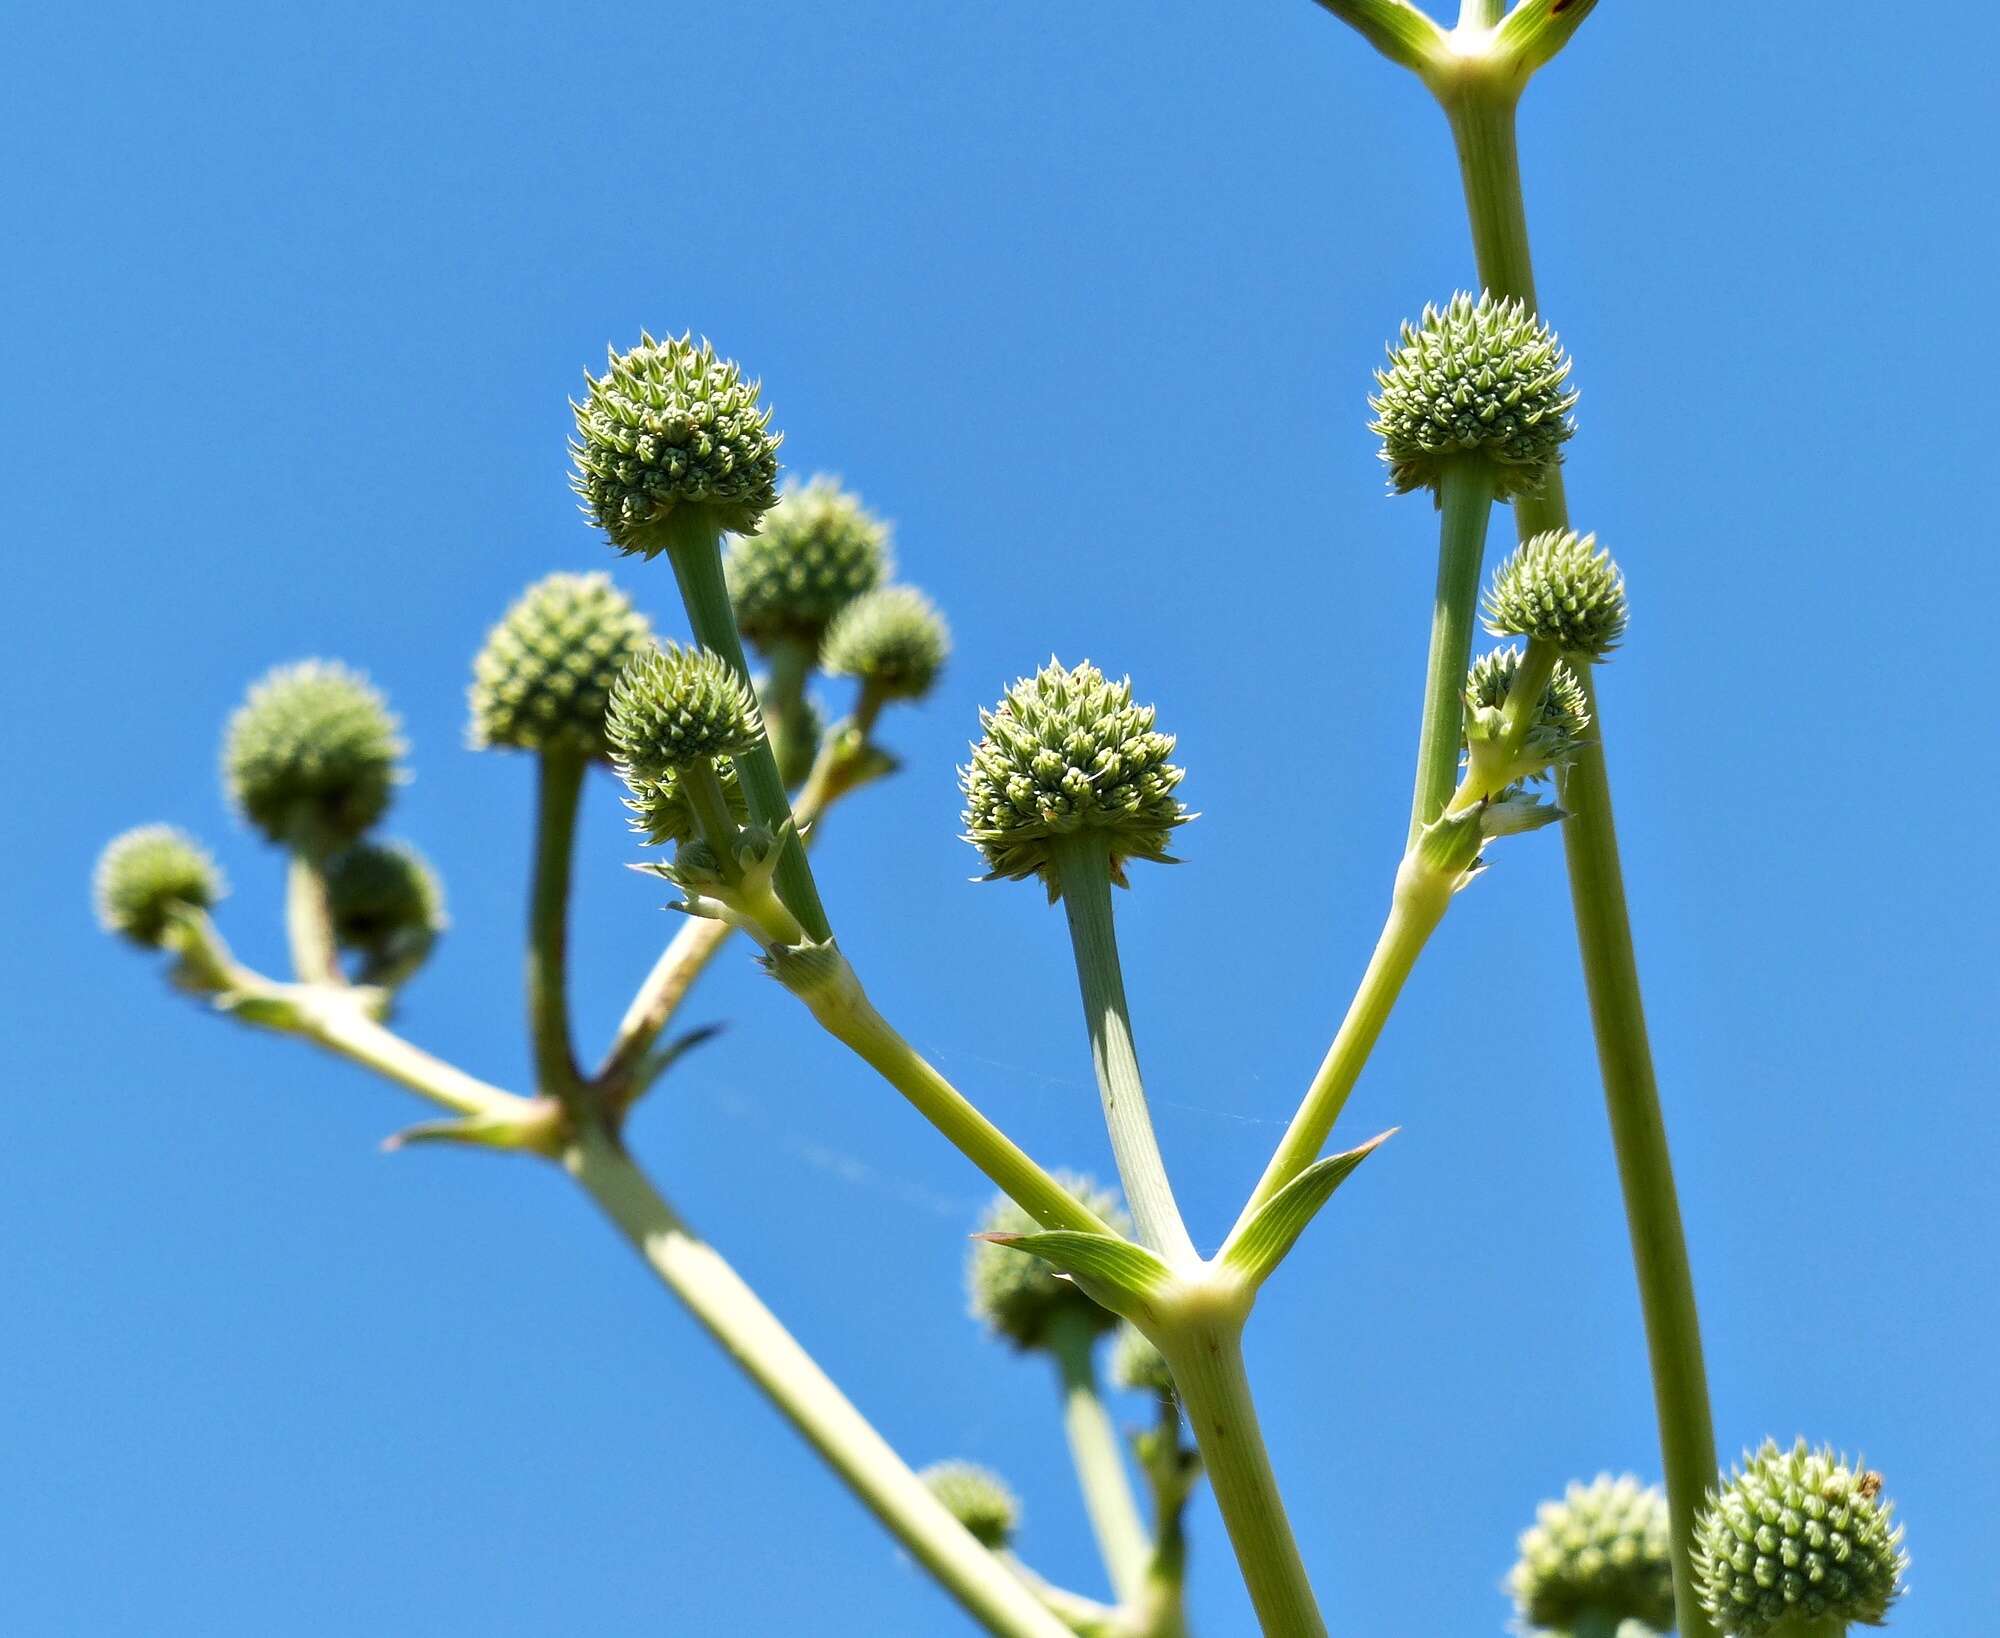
x: 1465, y: 502
x: 559, y: 788
x: 1095, y: 1448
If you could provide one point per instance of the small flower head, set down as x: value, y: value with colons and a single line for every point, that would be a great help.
x: 1553, y: 734
x: 147, y: 875
x: 672, y: 445
x: 1137, y: 1364
x: 1797, y: 1535
x: 1491, y: 679
x: 1064, y: 753
x: 892, y: 639
x: 978, y: 1498
x: 819, y: 550
x: 1559, y: 587
x: 387, y: 905
x: 672, y: 707
x: 1602, y: 1550
x: 1015, y: 1293
x: 1480, y: 379
x: 544, y: 678
x: 311, y: 756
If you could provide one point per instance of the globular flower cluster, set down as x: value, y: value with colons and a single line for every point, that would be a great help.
x: 978, y: 1498
x: 671, y: 444
x: 1563, y: 713
x: 1016, y: 1294
x: 1068, y: 753
x: 146, y: 875
x: 387, y: 907
x: 543, y: 681
x: 1797, y: 1535
x: 311, y: 756
x: 1484, y: 380
x: 819, y: 549
x: 672, y: 707
x: 1561, y: 588
x: 1602, y: 1550
x: 893, y: 640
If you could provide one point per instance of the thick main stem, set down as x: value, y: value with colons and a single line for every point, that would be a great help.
x: 1099, y: 1456
x: 1465, y: 502
x: 558, y: 790
x: 1482, y: 124
x: 1083, y: 869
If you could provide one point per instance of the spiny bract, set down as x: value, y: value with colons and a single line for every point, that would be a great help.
x: 1014, y: 1292
x: 544, y: 678
x: 978, y: 1498
x: 1137, y: 1364
x: 387, y: 906
x: 892, y: 639
x: 147, y: 874
x: 1603, y: 1550
x: 311, y: 755
x: 672, y: 446
x: 1067, y: 752
x: 1563, y: 708
x: 1483, y: 379
x: 1797, y: 1535
x: 674, y: 706
x: 1559, y: 587
x: 819, y: 550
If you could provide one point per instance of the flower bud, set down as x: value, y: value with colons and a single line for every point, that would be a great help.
x: 148, y: 874
x: 1065, y: 753
x: 387, y: 907
x: 893, y: 640
x: 1554, y: 732
x: 819, y: 550
x: 671, y: 445
x: 978, y: 1498
x: 1478, y: 379
x: 311, y: 755
x: 1015, y: 1293
x: 1137, y: 1364
x: 1796, y: 1536
x: 1602, y: 1550
x: 543, y: 681
x: 1559, y: 588
x: 672, y: 707
x: 661, y: 811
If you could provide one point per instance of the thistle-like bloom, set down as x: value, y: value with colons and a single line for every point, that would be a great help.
x: 1067, y: 753
x: 892, y: 639
x: 672, y: 707
x: 1137, y: 1364
x: 819, y: 550
x: 1561, y: 719
x: 148, y: 874
x: 978, y: 1498
x: 671, y: 445
x: 1483, y: 380
x: 311, y: 756
x: 543, y: 681
x: 387, y: 907
x: 1016, y: 1294
x: 1602, y: 1550
x: 1795, y: 1536
x: 1559, y: 587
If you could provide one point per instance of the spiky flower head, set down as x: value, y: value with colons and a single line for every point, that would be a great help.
x: 1491, y: 680
x: 1015, y: 1293
x: 1137, y: 1364
x: 311, y: 755
x: 978, y: 1498
x: 671, y: 445
x: 1562, y: 588
x: 1067, y: 753
x: 148, y: 874
x: 387, y: 907
x: 672, y: 707
x: 1483, y: 379
x: 892, y: 639
x: 1796, y: 1536
x: 1602, y: 1550
x: 544, y: 678
x: 820, y: 548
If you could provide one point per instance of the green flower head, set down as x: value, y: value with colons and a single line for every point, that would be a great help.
x: 1068, y: 753
x: 1137, y: 1364
x: 1795, y: 1536
x: 672, y: 446
x: 387, y: 906
x: 146, y: 876
x: 1553, y: 736
x: 1559, y: 587
x: 978, y: 1498
x: 1602, y: 1550
x: 892, y: 639
x: 1480, y: 379
x: 672, y: 707
x: 544, y: 678
x: 819, y: 550
x: 1014, y: 1292
x: 311, y: 755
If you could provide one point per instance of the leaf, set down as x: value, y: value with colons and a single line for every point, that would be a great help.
x: 1113, y: 1273
x: 1271, y: 1234
x: 539, y: 1132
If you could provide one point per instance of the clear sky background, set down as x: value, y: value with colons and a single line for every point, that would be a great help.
x: 1086, y: 299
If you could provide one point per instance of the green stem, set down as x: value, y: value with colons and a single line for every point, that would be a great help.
x: 1099, y: 1456
x: 1594, y: 1624
x: 558, y: 790
x: 334, y: 1021
x: 1486, y: 770
x: 1483, y: 127
x: 309, y: 921
x: 1083, y: 870
x: 785, y: 692
x: 1465, y: 501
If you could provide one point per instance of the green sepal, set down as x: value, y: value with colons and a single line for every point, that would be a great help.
x: 1266, y: 1239
x: 1115, y: 1274
x: 540, y: 1132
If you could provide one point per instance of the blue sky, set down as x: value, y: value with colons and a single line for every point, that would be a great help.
x: 1087, y: 302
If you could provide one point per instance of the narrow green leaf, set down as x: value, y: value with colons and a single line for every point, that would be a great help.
x: 1400, y: 32
x: 1534, y: 31
x: 1114, y: 1273
x: 539, y: 1133
x: 1273, y: 1232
